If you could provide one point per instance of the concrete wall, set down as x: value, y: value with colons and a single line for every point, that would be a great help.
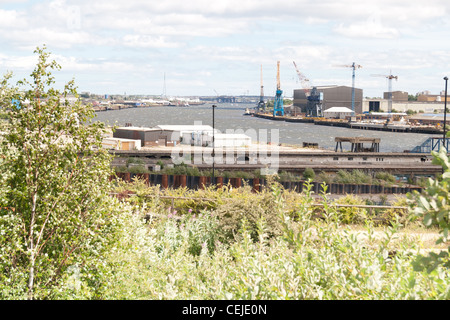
x: 427, y: 107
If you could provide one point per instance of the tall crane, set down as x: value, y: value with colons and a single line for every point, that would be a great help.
x: 389, y: 77
x: 313, y: 96
x: 354, y: 66
x: 303, y: 80
x: 261, y: 104
x: 278, y: 108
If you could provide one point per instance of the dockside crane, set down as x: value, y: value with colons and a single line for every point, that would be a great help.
x: 389, y: 77
x: 261, y: 104
x: 278, y: 108
x: 313, y: 96
x: 354, y: 66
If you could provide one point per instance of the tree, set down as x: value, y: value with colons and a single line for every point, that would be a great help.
x: 54, y: 178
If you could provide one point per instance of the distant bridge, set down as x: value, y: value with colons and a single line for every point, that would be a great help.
x: 227, y: 99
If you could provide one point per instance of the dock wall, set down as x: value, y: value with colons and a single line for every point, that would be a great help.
x: 201, y: 182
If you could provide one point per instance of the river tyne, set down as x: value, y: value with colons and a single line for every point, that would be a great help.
x: 230, y: 117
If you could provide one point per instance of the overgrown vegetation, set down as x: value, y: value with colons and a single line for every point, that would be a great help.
x: 341, y: 176
x: 64, y: 236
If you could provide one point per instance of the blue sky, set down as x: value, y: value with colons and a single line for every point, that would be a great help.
x: 204, y: 47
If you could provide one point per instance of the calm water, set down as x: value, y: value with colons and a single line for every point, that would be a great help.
x: 230, y: 116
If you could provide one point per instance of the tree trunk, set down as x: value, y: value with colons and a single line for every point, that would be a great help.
x: 32, y: 250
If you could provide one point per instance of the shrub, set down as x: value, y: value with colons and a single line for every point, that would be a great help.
x: 385, y: 176
x: 138, y: 169
x: 393, y: 216
x: 350, y: 215
x: 309, y: 174
x: 287, y: 176
x: 324, y: 177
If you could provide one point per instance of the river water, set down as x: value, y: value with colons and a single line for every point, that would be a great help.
x: 230, y: 117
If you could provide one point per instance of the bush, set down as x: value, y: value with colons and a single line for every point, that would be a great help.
x: 309, y: 174
x: 385, y: 176
x: 350, y: 215
x: 313, y: 259
x: 352, y: 177
x: 138, y: 169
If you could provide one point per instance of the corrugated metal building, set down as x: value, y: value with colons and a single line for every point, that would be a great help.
x: 333, y: 96
x: 121, y: 144
x: 400, y: 96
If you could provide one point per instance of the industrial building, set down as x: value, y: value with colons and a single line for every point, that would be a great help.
x: 338, y: 113
x: 382, y: 105
x: 426, y: 97
x: 205, y: 139
x: 121, y: 144
x: 333, y: 96
x: 149, y: 136
x: 165, y: 135
x: 397, y: 96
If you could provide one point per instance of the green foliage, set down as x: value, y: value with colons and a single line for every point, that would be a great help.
x: 385, y: 176
x: 54, y: 174
x: 394, y: 215
x: 433, y: 207
x: 350, y: 215
x: 182, y: 169
x: 312, y: 259
x: 352, y: 177
x: 287, y: 176
x: 309, y: 174
x: 135, y: 160
x: 137, y: 169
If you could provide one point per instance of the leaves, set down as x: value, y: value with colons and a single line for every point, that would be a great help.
x: 56, y: 177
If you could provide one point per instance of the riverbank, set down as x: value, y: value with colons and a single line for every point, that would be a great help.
x: 354, y: 125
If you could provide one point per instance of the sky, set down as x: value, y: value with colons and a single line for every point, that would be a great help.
x: 210, y: 47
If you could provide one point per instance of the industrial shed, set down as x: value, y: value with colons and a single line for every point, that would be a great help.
x: 149, y: 136
x: 182, y: 129
x: 121, y: 144
x: 333, y: 96
x: 338, y: 113
x: 231, y: 140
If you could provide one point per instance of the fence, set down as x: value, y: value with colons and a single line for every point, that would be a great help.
x: 201, y: 182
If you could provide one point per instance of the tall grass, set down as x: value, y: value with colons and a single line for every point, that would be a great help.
x: 189, y: 255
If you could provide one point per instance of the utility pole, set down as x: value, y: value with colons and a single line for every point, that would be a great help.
x: 213, y: 144
x: 445, y: 112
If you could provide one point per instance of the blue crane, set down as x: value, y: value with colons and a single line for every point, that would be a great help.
x: 278, y: 108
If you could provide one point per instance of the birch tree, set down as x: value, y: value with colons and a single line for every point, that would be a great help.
x: 54, y: 177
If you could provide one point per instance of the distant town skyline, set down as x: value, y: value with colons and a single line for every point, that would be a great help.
x: 207, y: 48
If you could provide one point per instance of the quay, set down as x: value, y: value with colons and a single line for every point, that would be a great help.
x: 285, y: 159
x: 353, y: 125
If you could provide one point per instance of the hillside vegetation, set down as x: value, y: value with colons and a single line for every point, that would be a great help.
x: 68, y: 232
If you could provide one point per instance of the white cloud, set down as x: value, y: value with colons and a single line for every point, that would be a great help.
x: 194, y: 40
x: 147, y: 41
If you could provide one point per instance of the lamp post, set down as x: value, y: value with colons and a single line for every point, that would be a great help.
x: 445, y: 111
x: 213, y: 144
